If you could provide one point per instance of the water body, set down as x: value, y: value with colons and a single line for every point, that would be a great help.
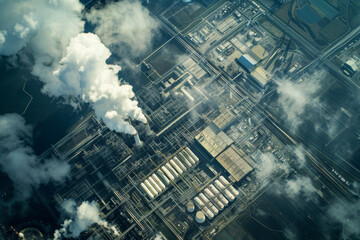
x: 49, y: 117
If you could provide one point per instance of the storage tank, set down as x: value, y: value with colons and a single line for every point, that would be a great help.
x: 147, y: 191
x: 223, y: 200
x: 204, y: 198
x: 219, y: 185
x: 224, y: 181
x: 183, y: 158
x: 150, y: 187
x: 214, y: 210
x: 229, y: 195
x: 191, y: 154
x: 177, y: 168
x: 250, y: 35
x: 200, y: 217
x: 198, y: 202
x: 158, y: 181
x: 256, y: 40
x: 213, y: 189
x: 155, y: 185
x: 218, y: 204
x: 163, y: 177
x: 181, y: 165
x: 233, y: 190
x: 188, y: 157
x: 190, y: 207
x: 208, y: 213
x: 171, y: 169
x: 167, y: 173
x: 208, y: 193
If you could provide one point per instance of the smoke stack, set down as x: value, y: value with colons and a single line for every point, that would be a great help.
x: 138, y: 142
x: 148, y: 130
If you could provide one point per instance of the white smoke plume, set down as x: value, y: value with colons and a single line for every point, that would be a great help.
x: 19, y: 162
x: 267, y: 166
x: 84, y: 73
x: 70, y: 63
x: 346, y: 217
x: 81, y: 218
x: 299, y: 187
x: 294, y: 97
x: 125, y: 27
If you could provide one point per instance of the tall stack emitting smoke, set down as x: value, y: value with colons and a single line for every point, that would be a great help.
x: 81, y: 217
x: 69, y: 62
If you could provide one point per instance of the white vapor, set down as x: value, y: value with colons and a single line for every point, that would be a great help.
x: 300, y: 186
x: 71, y: 64
x: 81, y: 218
x: 19, y: 162
x: 267, y: 166
x: 294, y: 97
x: 84, y: 73
x: 346, y: 216
x: 125, y: 27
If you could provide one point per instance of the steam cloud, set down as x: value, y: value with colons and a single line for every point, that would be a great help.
x: 300, y: 186
x: 267, y: 166
x: 84, y: 73
x: 295, y: 97
x: 134, y: 30
x: 69, y: 62
x: 19, y: 161
x: 81, y: 218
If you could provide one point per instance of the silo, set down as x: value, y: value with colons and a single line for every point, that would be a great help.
x: 176, y: 167
x: 188, y: 157
x: 190, y: 207
x: 233, y: 190
x: 191, y: 154
x: 147, y: 191
x: 181, y: 165
x: 183, y: 158
x: 224, y: 181
x: 163, y: 177
x: 154, y: 184
x: 167, y: 173
x: 171, y: 169
x: 158, y: 181
x: 200, y: 217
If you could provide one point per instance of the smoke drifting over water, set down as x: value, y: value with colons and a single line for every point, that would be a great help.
x: 134, y: 31
x: 70, y: 63
x: 81, y: 218
x: 19, y: 162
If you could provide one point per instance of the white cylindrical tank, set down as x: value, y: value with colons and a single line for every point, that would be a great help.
x: 163, y: 177
x: 177, y: 168
x: 203, y: 198
x: 150, y: 187
x: 181, y: 165
x: 213, y: 208
x: 188, y: 157
x: 208, y: 213
x: 256, y: 40
x: 158, y: 181
x: 229, y: 195
x: 213, y: 189
x: 191, y: 154
x: 233, y: 190
x: 208, y: 193
x: 171, y: 169
x: 200, y: 217
x: 155, y: 185
x: 219, y: 185
x: 167, y: 173
x: 147, y: 191
x: 224, y: 181
x: 183, y: 158
x: 190, y: 207
x: 199, y: 203
x: 223, y: 200
x: 218, y: 204
x: 250, y: 35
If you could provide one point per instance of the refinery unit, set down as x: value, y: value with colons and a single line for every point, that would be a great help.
x: 197, y: 162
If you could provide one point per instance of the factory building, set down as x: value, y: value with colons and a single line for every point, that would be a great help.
x: 351, y: 66
x: 247, y: 62
x: 260, y: 76
x: 234, y: 164
x: 213, y: 140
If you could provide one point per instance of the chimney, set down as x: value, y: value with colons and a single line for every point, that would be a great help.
x: 138, y: 142
x: 148, y: 130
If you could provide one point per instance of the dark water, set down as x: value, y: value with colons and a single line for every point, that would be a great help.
x: 49, y: 117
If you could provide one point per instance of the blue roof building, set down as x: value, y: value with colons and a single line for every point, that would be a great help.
x: 247, y: 62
